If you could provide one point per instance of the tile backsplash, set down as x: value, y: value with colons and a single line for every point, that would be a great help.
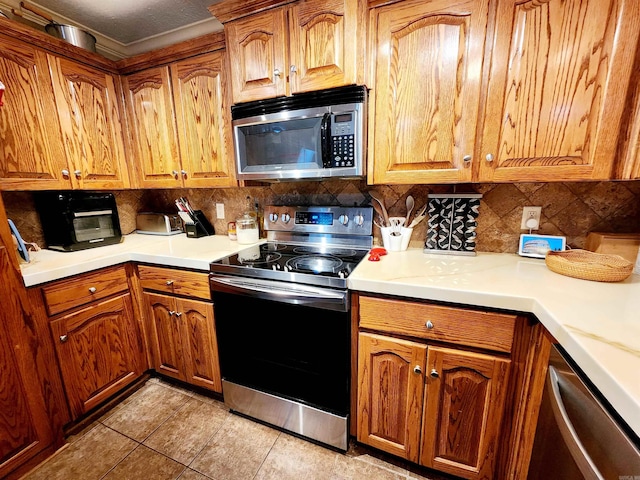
x: 570, y: 209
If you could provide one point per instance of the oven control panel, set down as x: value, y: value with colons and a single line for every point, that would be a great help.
x: 318, y: 219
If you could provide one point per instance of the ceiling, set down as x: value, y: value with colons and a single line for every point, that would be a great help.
x: 127, y: 27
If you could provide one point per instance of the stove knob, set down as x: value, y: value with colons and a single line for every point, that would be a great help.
x: 358, y: 219
x: 273, y: 217
x: 341, y: 274
x: 286, y: 217
x: 343, y: 219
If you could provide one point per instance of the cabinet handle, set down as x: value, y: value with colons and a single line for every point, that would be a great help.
x: 467, y: 160
x: 169, y: 283
x: 65, y: 173
x: 434, y: 373
x: 174, y: 173
x: 172, y: 313
x: 429, y: 325
x: 276, y: 72
x: 183, y: 172
x: 93, y: 289
x: 64, y: 338
x: 178, y: 314
x: 77, y: 173
x: 1, y: 93
x: 489, y: 157
x: 417, y: 369
x: 293, y: 69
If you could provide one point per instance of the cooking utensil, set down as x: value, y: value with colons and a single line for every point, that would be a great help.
x: 378, y: 198
x: 420, y: 215
x: 70, y: 34
x: 410, y: 204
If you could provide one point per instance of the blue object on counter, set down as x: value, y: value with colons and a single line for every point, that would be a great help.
x: 22, y: 249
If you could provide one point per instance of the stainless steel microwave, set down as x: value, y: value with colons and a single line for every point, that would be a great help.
x: 312, y: 135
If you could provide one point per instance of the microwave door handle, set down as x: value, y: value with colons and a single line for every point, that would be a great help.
x: 325, y: 139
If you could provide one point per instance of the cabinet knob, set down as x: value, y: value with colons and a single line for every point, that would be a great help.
x: 77, y: 173
x: 429, y: 325
x: 183, y: 172
x: 276, y: 72
x: 489, y: 157
x: 467, y: 160
x: 174, y: 173
x: 293, y: 69
x: 64, y: 338
x: 169, y: 283
x: 172, y: 313
x: 178, y: 314
x: 93, y: 289
x: 417, y: 369
x: 65, y: 173
x: 434, y: 373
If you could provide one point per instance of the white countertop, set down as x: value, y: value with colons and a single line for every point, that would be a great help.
x: 597, y: 323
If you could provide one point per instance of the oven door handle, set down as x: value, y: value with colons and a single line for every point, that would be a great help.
x: 282, y: 292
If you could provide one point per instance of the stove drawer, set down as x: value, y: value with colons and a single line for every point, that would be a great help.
x: 177, y: 282
x: 474, y: 328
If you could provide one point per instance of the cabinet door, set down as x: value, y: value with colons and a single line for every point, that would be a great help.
x: 90, y: 120
x: 166, y: 335
x: 257, y: 51
x: 25, y: 429
x: 428, y: 64
x: 31, y: 153
x: 200, y: 346
x: 153, y: 130
x: 464, y: 400
x: 99, y: 352
x: 390, y: 390
x: 557, y: 88
x: 203, y: 118
x: 325, y: 44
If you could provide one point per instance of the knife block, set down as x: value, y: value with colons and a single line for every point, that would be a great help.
x: 201, y: 227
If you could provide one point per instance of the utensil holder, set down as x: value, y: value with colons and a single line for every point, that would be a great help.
x: 396, y: 243
x: 201, y: 227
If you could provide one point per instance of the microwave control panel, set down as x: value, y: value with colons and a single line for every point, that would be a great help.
x: 342, y: 139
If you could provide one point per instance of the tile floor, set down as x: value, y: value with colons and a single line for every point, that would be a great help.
x: 163, y: 431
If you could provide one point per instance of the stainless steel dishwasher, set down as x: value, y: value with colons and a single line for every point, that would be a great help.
x: 577, y: 437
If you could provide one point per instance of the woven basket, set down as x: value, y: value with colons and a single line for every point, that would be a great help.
x: 589, y: 265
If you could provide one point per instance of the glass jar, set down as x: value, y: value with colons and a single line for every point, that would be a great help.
x: 247, y: 229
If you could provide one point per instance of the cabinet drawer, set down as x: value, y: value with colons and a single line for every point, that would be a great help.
x: 80, y: 290
x: 178, y: 282
x: 474, y: 328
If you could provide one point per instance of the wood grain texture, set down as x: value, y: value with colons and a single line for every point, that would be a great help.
x: 97, y: 352
x: 463, y: 411
x: 166, y: 335
x: 31, y: 150
x: 151, y: 120
x: 201, y: 99
x: 390, y: 394
x: 74, y: 292
x: 489, y: 330
x: 428, y: 64
x: 227, y: 10
x: 256, y: 48
x: 559, y: 76
x: 176, y: 282
x: 88, y: 106
x: 628, y: 165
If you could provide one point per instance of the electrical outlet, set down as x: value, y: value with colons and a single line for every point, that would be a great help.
x: 220, y: 211
x: 530, y: 213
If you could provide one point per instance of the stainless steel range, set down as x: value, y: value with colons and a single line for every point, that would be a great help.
x: 283, y: 321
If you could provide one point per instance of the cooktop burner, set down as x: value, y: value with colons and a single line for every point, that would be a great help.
x: 312, y: 245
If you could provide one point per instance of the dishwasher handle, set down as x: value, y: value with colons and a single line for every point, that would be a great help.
x: 568, y: 432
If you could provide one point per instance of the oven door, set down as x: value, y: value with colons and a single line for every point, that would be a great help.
x: 284, y: 358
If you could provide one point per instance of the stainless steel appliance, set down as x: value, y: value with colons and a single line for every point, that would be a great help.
x: 78, y: 220
x: 306, y: 136
x: 282, y: 315
x: 578, y: 435
x: 158, y: 224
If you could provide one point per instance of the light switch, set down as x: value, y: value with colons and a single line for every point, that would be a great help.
x: 220, y: 211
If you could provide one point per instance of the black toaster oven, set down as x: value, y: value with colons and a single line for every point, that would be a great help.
x: 78, y: 220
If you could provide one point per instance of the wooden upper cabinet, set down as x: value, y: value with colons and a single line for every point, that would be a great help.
x: 628, y: 166
x: 31, y: 152
x: 307, y: 45
x: 557, y: 88
x: 87, y: 101
x: 426, y: 66
x: 153, y: 133
x: 204, y: 120
x: 257, y: 51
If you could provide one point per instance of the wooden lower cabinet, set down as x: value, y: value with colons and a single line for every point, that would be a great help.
x: 98, y: 350
x: 183, y: 339
x: 427, y: 393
